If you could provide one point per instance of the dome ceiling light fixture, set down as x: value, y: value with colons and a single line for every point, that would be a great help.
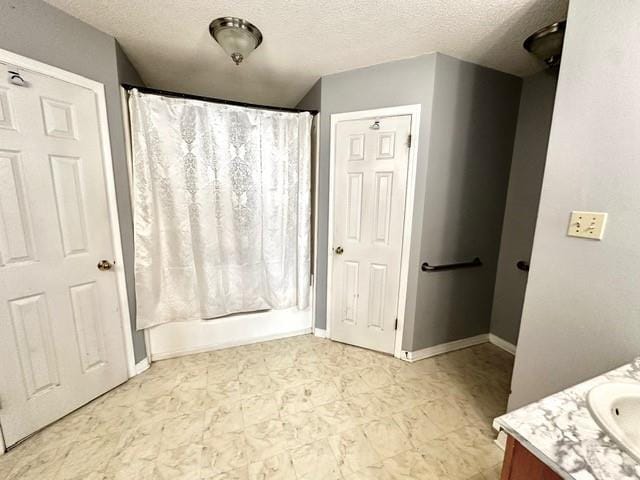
x: 236, y: 36
x: 546, y: 43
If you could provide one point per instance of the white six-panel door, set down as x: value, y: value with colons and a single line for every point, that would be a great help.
x: 61, y: 338
x: 370, y: 183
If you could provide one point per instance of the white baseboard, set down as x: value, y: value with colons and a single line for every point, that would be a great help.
x: 142, y: 365
x: 320, y: 332
x: 445, y: 347
x: 457, y: 345
x: 185, y: 338
x: 502, y: 343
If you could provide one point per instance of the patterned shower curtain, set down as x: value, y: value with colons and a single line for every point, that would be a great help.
x: 221, y: 202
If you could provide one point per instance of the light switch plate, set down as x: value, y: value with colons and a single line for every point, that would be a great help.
x: 587, y: 225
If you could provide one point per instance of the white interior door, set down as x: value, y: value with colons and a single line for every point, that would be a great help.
x: 61, y: 335
x: 370, y: 179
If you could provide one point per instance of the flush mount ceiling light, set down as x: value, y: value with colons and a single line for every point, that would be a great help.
x: 546, y: 43
x: 236, y: 36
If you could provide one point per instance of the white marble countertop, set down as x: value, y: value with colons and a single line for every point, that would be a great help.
x: 560, y: 431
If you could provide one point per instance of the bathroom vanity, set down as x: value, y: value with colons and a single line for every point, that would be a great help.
x: 521, y: 464
x: 559, y: 438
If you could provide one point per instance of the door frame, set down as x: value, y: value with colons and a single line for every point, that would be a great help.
x: 27, y: 63
x: 414, y: 111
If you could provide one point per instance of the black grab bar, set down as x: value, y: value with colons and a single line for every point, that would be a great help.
x: 451, y: 266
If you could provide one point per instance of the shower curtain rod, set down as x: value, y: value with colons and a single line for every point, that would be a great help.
x: 166, y: 93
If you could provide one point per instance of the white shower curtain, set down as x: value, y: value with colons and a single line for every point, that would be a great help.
x: 221, y: 198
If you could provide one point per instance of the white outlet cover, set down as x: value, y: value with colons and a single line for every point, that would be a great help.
x: 587, y: 225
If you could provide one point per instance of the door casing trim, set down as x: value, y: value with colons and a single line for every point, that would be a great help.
x: 413, y: 110
x: 27, y: 63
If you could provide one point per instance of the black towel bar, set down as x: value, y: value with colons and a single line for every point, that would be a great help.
x: 451, y: 266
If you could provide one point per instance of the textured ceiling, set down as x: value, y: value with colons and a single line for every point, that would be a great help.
x: 169, y: 43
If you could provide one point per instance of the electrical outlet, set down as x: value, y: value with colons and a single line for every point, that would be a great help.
x: 587, y: 225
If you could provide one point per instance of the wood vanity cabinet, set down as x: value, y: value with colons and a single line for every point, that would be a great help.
x: 520, y: 464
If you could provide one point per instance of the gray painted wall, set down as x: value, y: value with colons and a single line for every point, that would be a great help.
x: 466, y: 138
x: 37, y: 30
x: 128, y: 74
x: 582, y: 307
x: 523, y: 197
x: 312, y: 101
x: 471, y: 142
x: 313, y: 98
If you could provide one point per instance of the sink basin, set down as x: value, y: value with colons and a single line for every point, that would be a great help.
x: 616, y: 408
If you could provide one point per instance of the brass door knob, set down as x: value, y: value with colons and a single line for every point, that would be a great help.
x: 339, y: 250
x: 104, y: 265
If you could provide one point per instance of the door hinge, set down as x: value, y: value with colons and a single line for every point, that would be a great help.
x: 409, y: 141
x: 396, y: 323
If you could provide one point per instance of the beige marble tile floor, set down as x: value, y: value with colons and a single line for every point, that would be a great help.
x: 298, y: 408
